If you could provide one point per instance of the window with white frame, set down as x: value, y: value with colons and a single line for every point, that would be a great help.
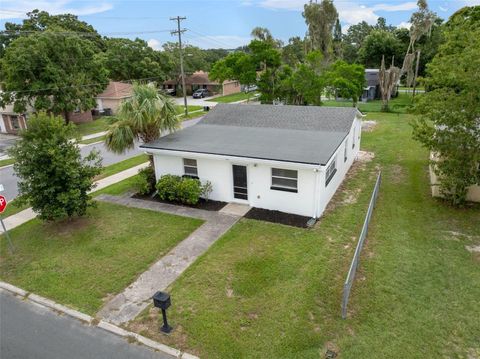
x: 190, y: 167
x: 284, y: 180
x: 331, y: 170
x: 345, y: 152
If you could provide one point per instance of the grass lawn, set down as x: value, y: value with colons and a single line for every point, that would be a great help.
x: 123, y: 165
x: 92, y: 140
x: 98, y: 125
x: 9, y: 161
x: 399, y: 104
x: 239, y: 96
x: 82, y: 262
x: 270, y: 291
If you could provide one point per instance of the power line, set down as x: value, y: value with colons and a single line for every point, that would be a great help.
x: 79, y: 33
x: 210, y: 38
x: 78, y: 86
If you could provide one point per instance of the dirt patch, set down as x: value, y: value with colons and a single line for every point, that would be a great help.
x: 473, y: 249
x: 365, y: 156
x: 368, y: 125
x: 202, y: 204
x: 397, y: 174
x: 277, y: 217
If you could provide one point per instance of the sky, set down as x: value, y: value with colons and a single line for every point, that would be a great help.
x: 216, y: 23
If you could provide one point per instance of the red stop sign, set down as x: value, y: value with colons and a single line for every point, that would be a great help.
x: 3, y: 204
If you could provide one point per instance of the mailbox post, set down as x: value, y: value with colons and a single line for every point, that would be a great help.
x: 162, y: 300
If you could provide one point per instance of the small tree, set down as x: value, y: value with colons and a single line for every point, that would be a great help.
x: 346, y: 80
x: 142, y: 117
x: 387, y: 81
x: 53, y: 177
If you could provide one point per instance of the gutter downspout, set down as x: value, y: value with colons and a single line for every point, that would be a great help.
x: 316, y: 186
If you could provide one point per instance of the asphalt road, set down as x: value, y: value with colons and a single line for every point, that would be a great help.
x: 31, y: 331
x: 9, y: 180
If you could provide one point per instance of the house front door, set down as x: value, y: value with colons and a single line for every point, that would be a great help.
x: 240, y: 182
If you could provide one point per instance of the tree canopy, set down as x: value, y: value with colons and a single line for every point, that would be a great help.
x: 449, y: 124
x: 51, y: 71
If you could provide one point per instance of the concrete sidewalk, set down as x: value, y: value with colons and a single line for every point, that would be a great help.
x: 28, y: 214
x: 137, y: 296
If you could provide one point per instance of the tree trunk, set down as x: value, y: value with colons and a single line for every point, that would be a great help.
x: 67, y: 116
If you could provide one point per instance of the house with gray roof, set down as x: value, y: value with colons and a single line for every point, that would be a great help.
x: 285, y: 158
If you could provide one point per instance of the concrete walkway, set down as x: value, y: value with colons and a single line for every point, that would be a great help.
x: 136, y: 297
x: 28, y: 214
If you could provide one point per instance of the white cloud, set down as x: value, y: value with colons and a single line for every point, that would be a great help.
x: 471, y: 2
x: 443, y: 8
x: 218, y: 41
x: 404, y: 25
x: 15, y: 9
x: 406, y: 6
x: 350, y: 12
x: 154, y: 44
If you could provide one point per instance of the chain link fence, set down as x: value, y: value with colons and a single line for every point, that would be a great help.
x: 347, y: 286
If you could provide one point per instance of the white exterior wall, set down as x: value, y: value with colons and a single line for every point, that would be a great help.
x: 219, y: 173
x: 310, y: 200
x: 325, y: 193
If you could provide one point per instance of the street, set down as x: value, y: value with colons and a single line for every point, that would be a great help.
x: 9, y: 180
x: 29, y: 330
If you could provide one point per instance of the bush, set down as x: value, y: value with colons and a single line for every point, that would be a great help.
x: 177, y: 189
x: 207, y: 189
x: 146, y: 180
x: 54, y: 179
x: 189, y: 191
x: 167, y: 187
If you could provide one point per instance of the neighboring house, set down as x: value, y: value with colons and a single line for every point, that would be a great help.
x: 199, y: 79
x: 286, y: 158
x: 109, y: 100
x: 473, y: 192
x: 372, y: 89
x: 10, y: 121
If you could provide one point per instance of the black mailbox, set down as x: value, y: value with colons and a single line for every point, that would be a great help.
x: 161, y: 300
x: 206, y: 108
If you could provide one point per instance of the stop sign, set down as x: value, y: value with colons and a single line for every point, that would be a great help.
x: 3, y: 203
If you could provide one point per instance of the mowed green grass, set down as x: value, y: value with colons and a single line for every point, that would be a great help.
x: 83, y: 261
x: 239, y: 96
x: 271, y: 291
x: 400, y: 104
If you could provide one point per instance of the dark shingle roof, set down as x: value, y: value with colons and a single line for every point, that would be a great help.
x: 303, y: 134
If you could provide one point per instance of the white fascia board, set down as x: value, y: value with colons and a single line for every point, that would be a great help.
x: 234, y: 159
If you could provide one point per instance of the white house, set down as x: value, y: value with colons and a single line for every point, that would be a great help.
x: 285, y: 158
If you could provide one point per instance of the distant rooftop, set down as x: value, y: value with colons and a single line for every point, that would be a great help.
x: 116, y: 89
x: 300, y: 134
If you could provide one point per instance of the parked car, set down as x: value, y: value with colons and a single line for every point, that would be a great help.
x: 251, y: 88
x: 171, y: 92
x: 201, y: 93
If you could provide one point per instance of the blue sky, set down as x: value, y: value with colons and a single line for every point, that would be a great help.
x: 216, y: 23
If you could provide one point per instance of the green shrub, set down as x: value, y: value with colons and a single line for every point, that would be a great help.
x: 189, y: 191
x: 146, y: 180
x: 207, y: 189
x: 167, y: 187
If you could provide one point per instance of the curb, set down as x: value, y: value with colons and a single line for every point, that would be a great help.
x: 85, y: 318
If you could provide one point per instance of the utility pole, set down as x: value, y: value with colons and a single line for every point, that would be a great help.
x: 179, y: 32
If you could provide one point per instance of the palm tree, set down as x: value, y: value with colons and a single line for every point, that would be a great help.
x: 144, y: 116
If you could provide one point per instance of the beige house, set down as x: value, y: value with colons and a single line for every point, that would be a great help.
x: 12, y: 122
x: 200, y: 79
x: 109, y: 100
x: 473, y: 193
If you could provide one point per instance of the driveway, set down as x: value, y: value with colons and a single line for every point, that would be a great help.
x: 196, y: 101
x: 32, y: 331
